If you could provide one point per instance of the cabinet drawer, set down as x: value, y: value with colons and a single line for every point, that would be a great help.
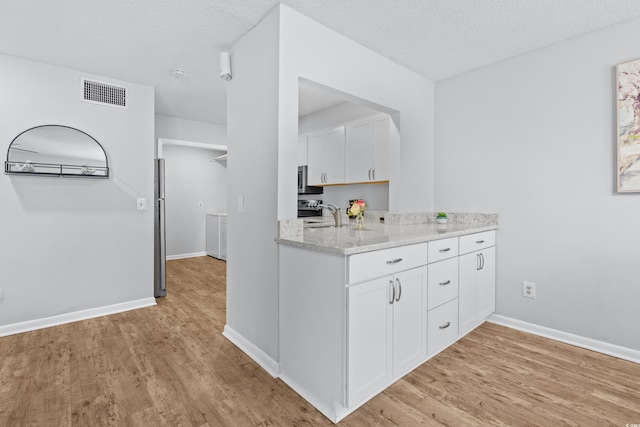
x: 442, y: 327
x: 380, y: 263
x: 442, y: 282
x: 477, y: 241
x: 443, y: 249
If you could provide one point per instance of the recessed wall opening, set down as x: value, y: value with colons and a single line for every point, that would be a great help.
x: 321, y: 108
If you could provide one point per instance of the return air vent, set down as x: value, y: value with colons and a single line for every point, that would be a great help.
x: 103, y: 93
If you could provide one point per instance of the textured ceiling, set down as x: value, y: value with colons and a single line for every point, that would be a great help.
x: 143, y: 40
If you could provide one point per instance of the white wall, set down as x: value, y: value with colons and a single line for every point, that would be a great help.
x: 310, y: 51
x: 263, y: 132
x: 332, y: 116
x: 252, y: 129
x: 191, y: 176
x: 533, y: 139
x: 170, y: 127
x: 74, y: 244
x: 376, y: 195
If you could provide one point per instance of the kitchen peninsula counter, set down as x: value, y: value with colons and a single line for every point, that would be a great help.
x: 378, y: 235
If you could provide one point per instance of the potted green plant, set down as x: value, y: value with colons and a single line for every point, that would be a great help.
x: 441, y: 218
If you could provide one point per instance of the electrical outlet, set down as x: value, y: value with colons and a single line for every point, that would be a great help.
x: 529, y: 290
x: 142, y: 204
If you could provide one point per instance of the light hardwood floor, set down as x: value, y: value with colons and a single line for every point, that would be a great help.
x: 169, y: 365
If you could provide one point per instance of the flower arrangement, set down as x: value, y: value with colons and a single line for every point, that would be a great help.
x: 357, y: 209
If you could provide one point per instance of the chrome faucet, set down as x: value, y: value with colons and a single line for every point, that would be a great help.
x: 335, y: 211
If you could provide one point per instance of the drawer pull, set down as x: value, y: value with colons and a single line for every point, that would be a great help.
x: 445, y: 283
x: 445, y: 326
x: 394, y: 261
x: 479, y: 242
x: 445, y: 250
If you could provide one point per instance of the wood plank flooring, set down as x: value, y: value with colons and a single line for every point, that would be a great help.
x: 169, y: 365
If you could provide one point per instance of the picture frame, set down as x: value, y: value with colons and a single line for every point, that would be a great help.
x: 628, y: 126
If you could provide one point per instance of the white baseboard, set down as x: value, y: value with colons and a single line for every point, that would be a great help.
x: 60, y: 319
x: 260, y: 357
x: 565, y: 337
x: 182, y: 256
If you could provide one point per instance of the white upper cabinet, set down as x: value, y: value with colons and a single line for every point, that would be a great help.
x: 368, y: 150
x: 381, y: 148
x: 359, y: 151
x: 356, y: 152
x: 326, y: 157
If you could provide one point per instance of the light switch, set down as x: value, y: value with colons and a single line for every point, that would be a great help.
x: 240, y: 203
x: 142, y: 204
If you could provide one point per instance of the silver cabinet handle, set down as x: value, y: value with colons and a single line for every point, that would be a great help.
x: 445, y: 250
x: 479, y: 242
x: 394, y: 261
x: 392, y: 291
x: 445, y: 326
x: 478, y: 263
x: 399, y: 289
x: 481, y: 261
x: 373, y: 173
x: 444, y: 283
x: 369, y: 174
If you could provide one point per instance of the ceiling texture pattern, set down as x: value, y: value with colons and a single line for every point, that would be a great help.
x: 142, y: 41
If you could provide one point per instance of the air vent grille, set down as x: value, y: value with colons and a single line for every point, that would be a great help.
x: 103, y: 93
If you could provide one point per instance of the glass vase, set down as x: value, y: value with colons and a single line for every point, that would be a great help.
x: 360, y: 222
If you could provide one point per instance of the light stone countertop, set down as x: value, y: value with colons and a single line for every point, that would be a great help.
x: 348, y: 241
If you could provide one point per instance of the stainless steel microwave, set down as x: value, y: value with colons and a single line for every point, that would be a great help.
x: 303, y: 188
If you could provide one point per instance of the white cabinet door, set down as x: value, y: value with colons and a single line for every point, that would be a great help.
x: 381, y: 148
x: 486, y: 283
x: 477, y: 282
x: 302, y: 150
x: 468, y: 265
x: 409, y: 320
x: 359, y: 145
x: 326, y: 157
x: 315, y: 157
x: 213, y: 235
x: 370, y: 342
x: 334, y: 156
x: 223, y: 237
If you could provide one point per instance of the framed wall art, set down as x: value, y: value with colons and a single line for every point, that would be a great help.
x: 628, y: 130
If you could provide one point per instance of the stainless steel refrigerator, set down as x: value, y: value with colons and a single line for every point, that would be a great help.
x: 160, y: 276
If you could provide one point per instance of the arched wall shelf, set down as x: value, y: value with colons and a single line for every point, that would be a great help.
x: 56, y: 150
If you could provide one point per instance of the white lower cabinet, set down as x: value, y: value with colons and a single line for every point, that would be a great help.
x: 477, y: 276
x: 357, y: 323
x: 386, y: 331
x: 217, y: 235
